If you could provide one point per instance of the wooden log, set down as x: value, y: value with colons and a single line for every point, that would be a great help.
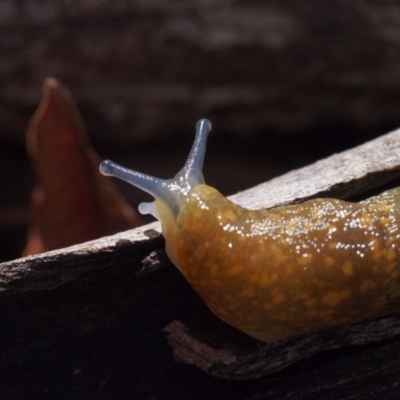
x: 90, y: 319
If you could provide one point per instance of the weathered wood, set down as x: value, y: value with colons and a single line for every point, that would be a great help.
x: 341, y: 175
x: 92, y: 316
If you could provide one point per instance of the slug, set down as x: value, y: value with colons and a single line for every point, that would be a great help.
x: 277, y: 273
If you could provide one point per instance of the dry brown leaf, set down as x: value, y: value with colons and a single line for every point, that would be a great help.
x: 73, y: 202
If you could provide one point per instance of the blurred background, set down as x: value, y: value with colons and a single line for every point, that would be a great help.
x: 283, y: 83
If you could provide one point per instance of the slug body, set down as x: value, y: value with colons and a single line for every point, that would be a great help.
x: 277, y: 273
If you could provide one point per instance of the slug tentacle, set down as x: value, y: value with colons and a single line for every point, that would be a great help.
x: 148, y: 183
x: 192, y: 172
x: 169, y: 191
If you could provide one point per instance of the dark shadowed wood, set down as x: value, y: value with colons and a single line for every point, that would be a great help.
x: 90, y: 320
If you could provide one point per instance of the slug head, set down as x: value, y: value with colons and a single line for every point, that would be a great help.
x: 169, y: 194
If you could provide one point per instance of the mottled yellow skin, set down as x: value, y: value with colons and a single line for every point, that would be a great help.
x: 283, y: 272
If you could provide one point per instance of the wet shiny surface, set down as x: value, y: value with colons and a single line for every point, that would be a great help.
x: 294, y: 269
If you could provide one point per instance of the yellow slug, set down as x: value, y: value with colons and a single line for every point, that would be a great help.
x: 276, y: 273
